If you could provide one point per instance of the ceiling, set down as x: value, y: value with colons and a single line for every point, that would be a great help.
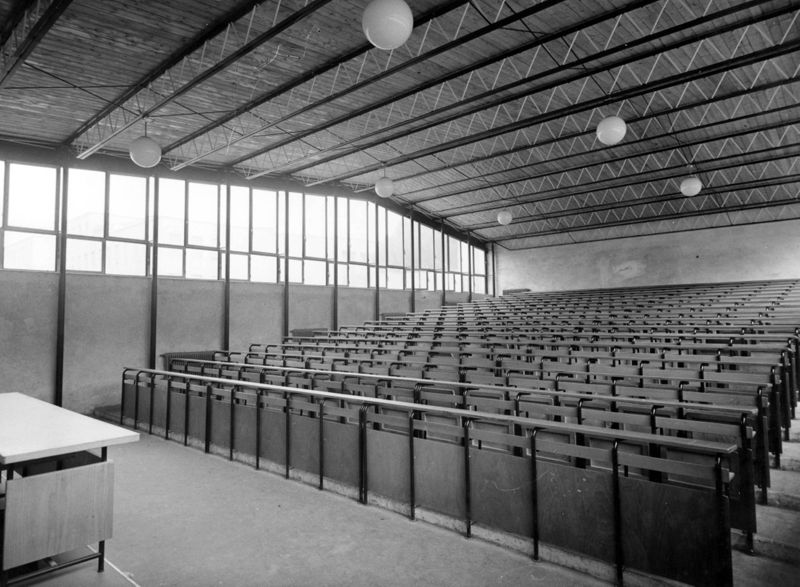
x: 490, y: 105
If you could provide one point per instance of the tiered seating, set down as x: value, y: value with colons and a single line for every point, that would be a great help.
x: 681, y: 369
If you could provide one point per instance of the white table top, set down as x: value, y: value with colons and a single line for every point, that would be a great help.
x: 33, y: 429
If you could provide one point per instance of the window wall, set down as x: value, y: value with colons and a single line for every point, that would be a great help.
x: 313, y: 238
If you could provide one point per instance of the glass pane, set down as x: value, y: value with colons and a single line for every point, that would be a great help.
x: 24, y: 250
x: 295, y: 271
x: 437, y: 251
x: 171, y: 211
x: 202, y: 264
x: 425, y: 247
x: 203, y: 215
x: 382, y: 236
x: 406, y: 242
x: 421, y: 280
x: 344, y: 277
x: 125, y: 258
x: 170, y: 262
x: 394, y: 227
x: 316, y: 273
x: 358, y: 231
x: 331, y: 225
x: 84, y: 255
x: 454, y: 254
x: 281, y: 222
x: 315, y: 226
x: 479, y: 285
x: 32, y: 196
x: 342, y: 230
x: 239, y: 266
x: 263, y: 269
x: 240, y: 219
x: 394, y: 278
x: 86, y: 204
x: 2, y: 183
x: 151, y: 183
x: 371, y: 282
x: 465, y: 257
x: 358, y: 276
x: 371, y: 236
x: 127, y: 205
x: 295, y: 224
x: 479, y: 262
x: 264, y: 221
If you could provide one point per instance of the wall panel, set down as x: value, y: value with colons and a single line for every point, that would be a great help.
x: 106, y: 328
x: 190, y: 315
x: 256, y: 311
x: 759, y: 251
x: 28, y: 317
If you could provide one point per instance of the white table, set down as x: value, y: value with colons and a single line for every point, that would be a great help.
x: 38, y: 435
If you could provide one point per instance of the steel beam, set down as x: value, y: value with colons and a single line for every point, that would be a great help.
x: 626, y: 94
x: 24, y: 35
x: 206, y: 74
x: 747, y: 130
x: 575, y: 69
x: 719, y: 190
x: 738, y: 208
x: 290, y: 85
x: 716, y: 164
x: 450, y: 76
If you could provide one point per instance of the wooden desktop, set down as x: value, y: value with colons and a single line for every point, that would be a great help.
x: 58, y: 497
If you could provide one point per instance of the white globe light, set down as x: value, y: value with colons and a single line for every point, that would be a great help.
x: 504, y: 217
x: 387, y: 24
x: 611, y: 130
x: 145, y: 152
x: 384, y: 187
x: 691, y: 186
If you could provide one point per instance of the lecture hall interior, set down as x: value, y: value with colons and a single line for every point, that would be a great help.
x: 397, y: 292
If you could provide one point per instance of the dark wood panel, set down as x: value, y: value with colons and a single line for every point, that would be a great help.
x: 388, y: 465
x: 440, y: 477
x: 576, y: 509
x: 501, y: 492
x: 674, y: 532
x: 341, y: 452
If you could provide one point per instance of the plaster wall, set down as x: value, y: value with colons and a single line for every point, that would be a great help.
x: 738, y: 253
x: 28, y: 318
x: 189, y: 316
x: 106, y: 328
x: 310, y: 306
x: 394, y: 301
x: 256, y: 314
x: 356, y: 305
x: 428, y: 300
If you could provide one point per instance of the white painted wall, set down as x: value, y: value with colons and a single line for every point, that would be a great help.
x: 737, y: 253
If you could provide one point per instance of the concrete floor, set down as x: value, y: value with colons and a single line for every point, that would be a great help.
x: 186, y: 518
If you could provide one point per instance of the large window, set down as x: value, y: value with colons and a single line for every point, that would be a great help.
x: 112, y: 221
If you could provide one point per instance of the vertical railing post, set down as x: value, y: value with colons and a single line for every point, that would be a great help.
x: 726, y: 578
x: 288, y: 440
x: 258, y: 424
x: 534, y: 495
x: 207, y: 436
x: 362, y: 454
x: 619, y: 555
x: 467, y: 480
x: 168, y: 411
x: 321, y: 442
x: 412, y: 485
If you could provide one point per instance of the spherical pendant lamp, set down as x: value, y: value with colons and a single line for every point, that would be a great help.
x: 384, y: 187
x: 691, y: 186
x: 504, y: 217
x: 387, y: 24
x: 611, y: 130
x: 145, y: 152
